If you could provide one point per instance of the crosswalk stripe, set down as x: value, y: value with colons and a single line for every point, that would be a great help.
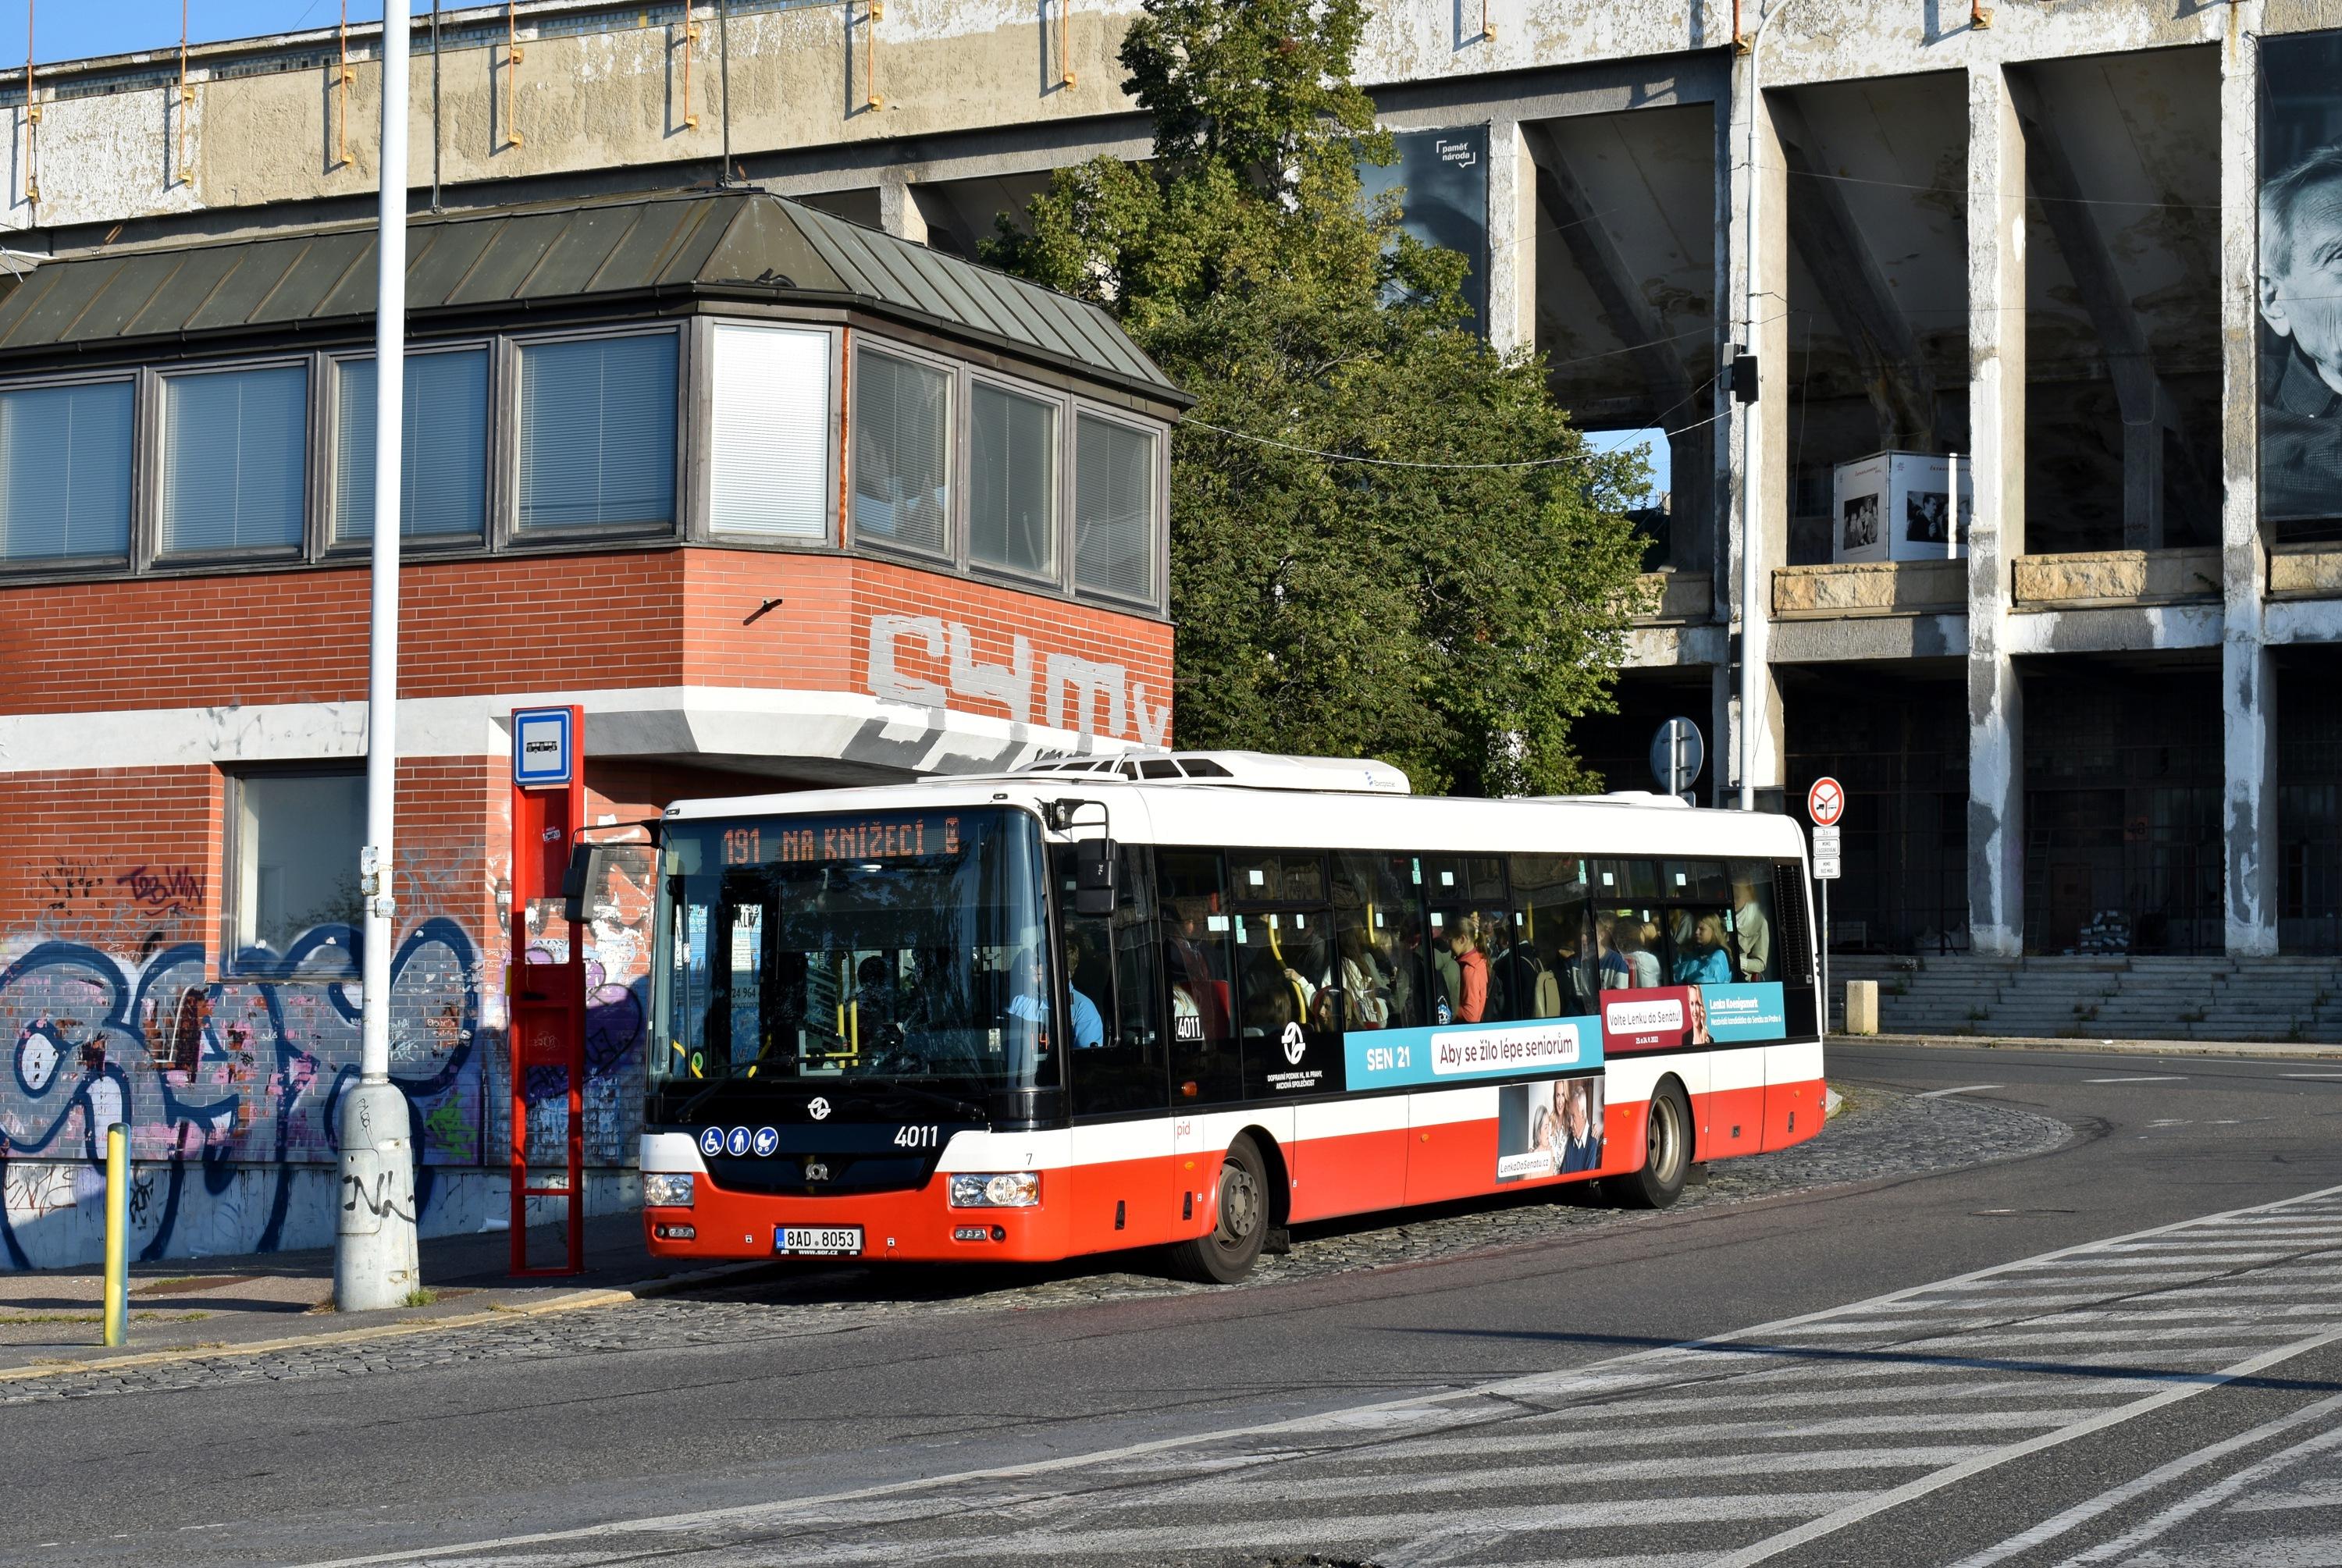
x: 1503, y: 1520
x: 2115, y: 1497
x: 1802, y: 1363
x: 2318, y: 1492
x: 1580, y: 1473
x: 1831, y: 1524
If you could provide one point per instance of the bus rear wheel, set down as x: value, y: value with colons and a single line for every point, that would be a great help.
x: 1226, y: 1253
x: 1667, y: 1154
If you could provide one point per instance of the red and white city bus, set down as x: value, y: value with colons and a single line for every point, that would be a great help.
x: 1190, y: 1000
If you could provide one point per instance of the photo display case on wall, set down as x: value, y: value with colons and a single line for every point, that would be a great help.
x: 1896, y: 506
x: 2298, y: 285
x: 1442, y: 178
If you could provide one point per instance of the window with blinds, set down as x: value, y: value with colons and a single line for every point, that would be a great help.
x: 235, y: 460
x: 65, y: 472
x: 770, y: 397
x: 597, y: 431
x: 902, y: 453
x: 443, y: 490
x: 1011, y: 504
x: 1114, y: 508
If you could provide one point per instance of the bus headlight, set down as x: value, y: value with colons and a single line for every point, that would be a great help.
x: 1014, y: 1190
x: 666, y: 1190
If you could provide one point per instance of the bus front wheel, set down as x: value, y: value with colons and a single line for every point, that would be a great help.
x: 1666, y: 1153
x: 1225, y: 1253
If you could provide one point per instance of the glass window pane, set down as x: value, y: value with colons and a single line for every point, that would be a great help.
x: 296, y: 865
x: 65, y: 472
x: 597, y: 433
x: 902, y: 453
x: 1205, y: 1059
x: 444, y: 486
x: 1011, y: 509
x: 1752, y: 921
x: 1114, y: 508
x: 1378, y: 933
x: 1554, y: 951
x: 771, y: 414
x: 235, y: 459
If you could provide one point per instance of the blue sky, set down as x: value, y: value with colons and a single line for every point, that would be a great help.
x: 1652, y: 444
x: 76, y: 29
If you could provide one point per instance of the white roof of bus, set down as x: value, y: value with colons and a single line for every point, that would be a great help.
x: 1192, y: 811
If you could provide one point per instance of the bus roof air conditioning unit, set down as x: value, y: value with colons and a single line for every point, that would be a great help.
x: 1247, y: 770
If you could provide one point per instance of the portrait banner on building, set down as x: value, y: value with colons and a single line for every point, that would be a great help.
x: 2298, y: 284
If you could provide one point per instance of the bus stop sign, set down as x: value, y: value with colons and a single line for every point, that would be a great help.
x: 1825, y: 802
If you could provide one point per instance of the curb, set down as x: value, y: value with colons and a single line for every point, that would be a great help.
x: 2297, y: 1049
x: 577, y: 1300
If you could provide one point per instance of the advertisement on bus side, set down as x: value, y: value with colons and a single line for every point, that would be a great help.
x: 1671, y: 1017
x: 1457, y: 1053
x: 1550, y: 1128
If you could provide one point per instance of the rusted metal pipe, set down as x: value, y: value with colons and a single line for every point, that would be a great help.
x: 512, y: 74
x: 32, y: 119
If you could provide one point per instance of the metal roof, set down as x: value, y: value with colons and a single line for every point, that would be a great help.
x: 744, y: 243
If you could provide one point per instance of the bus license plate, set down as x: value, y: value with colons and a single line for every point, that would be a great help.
x: 818, y: 1240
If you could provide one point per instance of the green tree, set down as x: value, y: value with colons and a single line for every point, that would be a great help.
x: 1449, y: 618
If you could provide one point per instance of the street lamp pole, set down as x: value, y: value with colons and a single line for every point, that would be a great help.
x: 375, y: 1260
x: 1753, y: 649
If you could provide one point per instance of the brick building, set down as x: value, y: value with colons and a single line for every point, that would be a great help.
x: 779, y: 500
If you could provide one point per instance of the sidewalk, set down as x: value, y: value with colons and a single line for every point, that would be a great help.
x: 53, y: 1321
x: 2275, y: 1050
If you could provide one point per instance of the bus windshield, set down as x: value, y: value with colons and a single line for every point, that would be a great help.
x: 905, y: 948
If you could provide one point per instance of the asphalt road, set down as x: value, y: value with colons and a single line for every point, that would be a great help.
x: 1919, y: 1371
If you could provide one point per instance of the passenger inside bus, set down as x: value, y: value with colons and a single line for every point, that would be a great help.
x: 1030, y: 1005
x: 1471, y: 993
x: 1706, y: 958
x: 1752, y: 926
x: 1198, y: 989
x: 1085, y: 973
x: 1610, y: 964
x: 1366, y: 979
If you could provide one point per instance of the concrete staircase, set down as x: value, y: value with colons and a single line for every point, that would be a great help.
x: 2101, y: 996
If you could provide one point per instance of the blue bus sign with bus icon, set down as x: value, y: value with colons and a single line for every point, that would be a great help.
x: 545, y: 750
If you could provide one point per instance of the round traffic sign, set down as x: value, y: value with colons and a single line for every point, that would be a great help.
x: 1825, y: 802
x: 1676, y: 754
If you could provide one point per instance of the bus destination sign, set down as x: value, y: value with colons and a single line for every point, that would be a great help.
x: 874, y: 838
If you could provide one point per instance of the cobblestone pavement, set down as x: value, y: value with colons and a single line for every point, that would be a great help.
x: 1877, y: 1135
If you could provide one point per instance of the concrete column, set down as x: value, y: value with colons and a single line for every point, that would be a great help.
x: 1512, y: 238
x: 898, y: 210
x: 2248, y: 690
x: 2143, y: 476
x: 1997, y: 533
x: 1768, y: 180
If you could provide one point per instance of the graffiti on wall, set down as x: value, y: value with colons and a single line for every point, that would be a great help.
x: 618, y: 980
x: 230, y: 1085
x: 1072, y: 690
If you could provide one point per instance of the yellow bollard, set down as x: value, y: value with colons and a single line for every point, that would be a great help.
x: 117, y: 1234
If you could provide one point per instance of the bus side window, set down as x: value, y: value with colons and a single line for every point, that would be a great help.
x: 1752, y: 921
x: 1552, y: 947
x: 1378, y: 941
x: 1700, y: 941
x: 1630, y: 935
x: 1198, y: 932
x: 1121, y: 961
x: 1471, y: 939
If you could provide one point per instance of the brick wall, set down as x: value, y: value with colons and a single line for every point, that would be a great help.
x: 639, y: 618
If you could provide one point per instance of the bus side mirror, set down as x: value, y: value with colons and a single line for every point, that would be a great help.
x: 587, y: 870
x: 1094, y: 887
